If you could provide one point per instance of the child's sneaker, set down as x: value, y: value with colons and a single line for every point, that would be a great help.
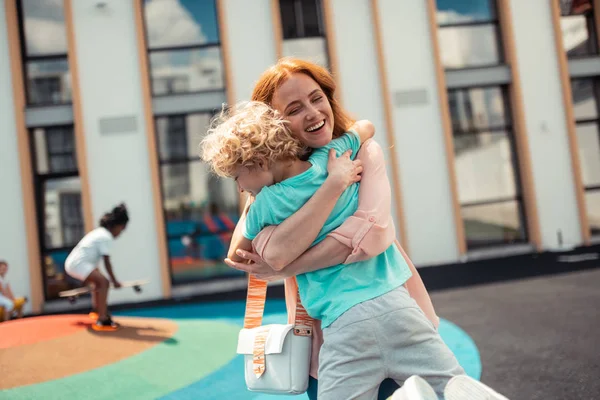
x: 463, y: 387
x: 105, y: 325
x: 415, y: 388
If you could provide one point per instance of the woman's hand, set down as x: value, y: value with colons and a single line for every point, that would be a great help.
x: 342, y: 170
x: 257, y: 267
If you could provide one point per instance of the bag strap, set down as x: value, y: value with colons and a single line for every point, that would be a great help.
x: 255, y: 308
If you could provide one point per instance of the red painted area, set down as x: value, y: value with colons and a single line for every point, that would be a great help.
x: 38, y: 329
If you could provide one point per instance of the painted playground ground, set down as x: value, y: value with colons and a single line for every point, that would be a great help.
x: 173, y: 352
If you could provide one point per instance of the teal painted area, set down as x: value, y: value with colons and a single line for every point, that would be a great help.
x: 199, y: 362
x: 228, y: 382
x: 463, y: 347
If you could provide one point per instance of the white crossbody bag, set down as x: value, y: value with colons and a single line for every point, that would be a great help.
x: 276, y: 356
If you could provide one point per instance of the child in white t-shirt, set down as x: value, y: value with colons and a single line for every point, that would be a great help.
x: 82, y: 263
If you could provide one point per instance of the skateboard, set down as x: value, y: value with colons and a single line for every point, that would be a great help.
x: 73, y: 294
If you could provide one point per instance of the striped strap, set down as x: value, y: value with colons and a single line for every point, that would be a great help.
x: 258, y: 352
x: 255, y: 307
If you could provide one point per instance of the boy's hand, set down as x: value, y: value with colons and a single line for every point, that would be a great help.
x: 342, y: 170
x: 117, y: 284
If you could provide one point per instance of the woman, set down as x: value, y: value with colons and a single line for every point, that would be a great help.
x: 369, y: 232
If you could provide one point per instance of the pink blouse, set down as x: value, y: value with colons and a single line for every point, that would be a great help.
x: 368, y: 232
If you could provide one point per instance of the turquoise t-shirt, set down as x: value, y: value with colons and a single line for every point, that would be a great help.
x: 328, y: 293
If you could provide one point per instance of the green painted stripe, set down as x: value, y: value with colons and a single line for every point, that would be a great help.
x: 197, y: 349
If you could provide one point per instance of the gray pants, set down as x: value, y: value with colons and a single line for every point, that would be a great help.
x: 388, y: 336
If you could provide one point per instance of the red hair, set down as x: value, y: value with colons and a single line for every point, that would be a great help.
x: 274, y: 77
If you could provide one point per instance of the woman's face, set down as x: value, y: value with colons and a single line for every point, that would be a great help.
x: 303, y: 103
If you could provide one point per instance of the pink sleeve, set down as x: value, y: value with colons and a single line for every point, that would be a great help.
x: 370, y: 230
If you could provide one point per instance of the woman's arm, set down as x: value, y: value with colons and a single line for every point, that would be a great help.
x: 363, y: 235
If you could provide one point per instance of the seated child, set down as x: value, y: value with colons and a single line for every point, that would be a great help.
x: 10, y: 306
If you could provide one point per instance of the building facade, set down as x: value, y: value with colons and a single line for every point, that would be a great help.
x: 487, y: 111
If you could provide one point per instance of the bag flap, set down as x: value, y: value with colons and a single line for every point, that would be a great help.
x: 274, y: 343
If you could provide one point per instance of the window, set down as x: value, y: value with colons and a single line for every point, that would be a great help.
x: 58, y: 201
x: 578, y: 28
x: 485, y: 166
x: 186, y: 58
x: 489, y: 191
x: 580, y: 41
x: 303, y: 30
x: 468, y: 33
x: 200, y: 209
x: 585, y: 103
x: 44, y: 40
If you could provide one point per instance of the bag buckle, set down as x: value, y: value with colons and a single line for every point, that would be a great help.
x: 302, y: 331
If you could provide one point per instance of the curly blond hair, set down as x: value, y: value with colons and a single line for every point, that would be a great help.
x: 249, y: 134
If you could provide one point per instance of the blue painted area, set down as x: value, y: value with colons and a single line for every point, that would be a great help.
x: 228, y: 381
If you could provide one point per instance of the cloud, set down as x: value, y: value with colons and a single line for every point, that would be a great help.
x: 170, y: 24
x: 44, y: 26
x: 453, y: 17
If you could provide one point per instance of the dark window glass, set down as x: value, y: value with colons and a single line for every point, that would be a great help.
x: 486, y: 166
x: 468, y: 33
x: 493, y: 224
x: 189, y: 70
x: 303, y: 30
x: 578, y: 28
x: 63, y: 219
x: 54, y: 149
x: 589, y: 152
x: 301, y: 18
x: 592, y: 201
x: 478, y: 108
x: 48, y: 81
x: 200, y: 209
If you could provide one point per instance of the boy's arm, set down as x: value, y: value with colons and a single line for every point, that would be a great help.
x: 242, y: 243
x: 293, y: 236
